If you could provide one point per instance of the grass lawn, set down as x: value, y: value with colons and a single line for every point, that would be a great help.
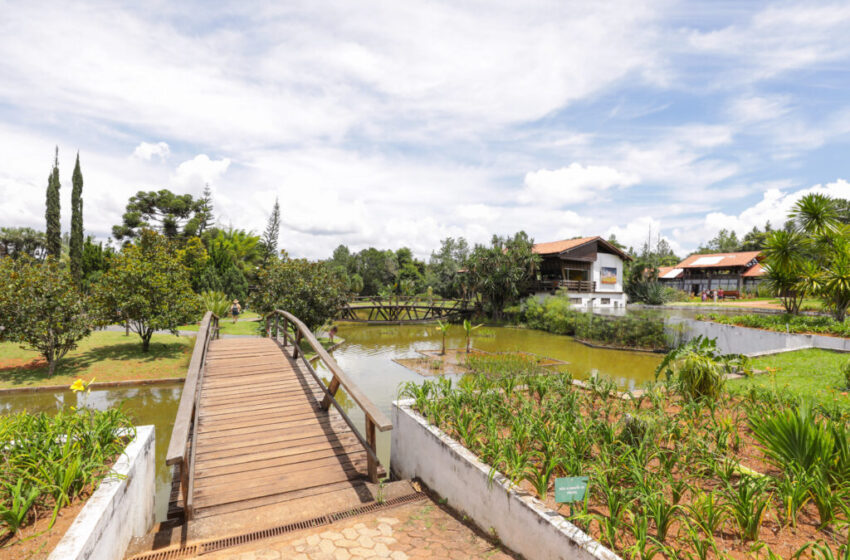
x: 245, y: 325
x: 809, y: 373
x: 106, y: 356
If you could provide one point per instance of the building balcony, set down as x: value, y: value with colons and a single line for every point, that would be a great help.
x: 572, y: 286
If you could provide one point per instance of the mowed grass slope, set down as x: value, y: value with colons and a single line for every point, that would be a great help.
x: 813, y: 374
x: 105, y: 356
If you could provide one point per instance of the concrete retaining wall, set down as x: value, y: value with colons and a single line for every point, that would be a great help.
x: 120, y: 509
x: 521, y: 522
x: 732, y: 339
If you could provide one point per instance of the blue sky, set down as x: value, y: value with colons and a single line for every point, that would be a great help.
x: 401, y: 123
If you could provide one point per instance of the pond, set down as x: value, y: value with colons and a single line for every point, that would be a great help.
x: 367, y: 358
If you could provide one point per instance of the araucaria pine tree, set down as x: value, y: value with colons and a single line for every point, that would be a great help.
x: 54, y: 227
x: 76, y: 245
x: 271, y: 234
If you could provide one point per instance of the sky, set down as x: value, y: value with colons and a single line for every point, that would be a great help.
x: 393, y: 124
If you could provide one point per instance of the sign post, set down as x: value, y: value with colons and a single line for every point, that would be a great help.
x: 570, y: 489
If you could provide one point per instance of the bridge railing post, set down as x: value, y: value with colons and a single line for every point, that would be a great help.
x: 295, y: 352
x: 285, y: 331
x: 276, y: 329
x: 371, y: 439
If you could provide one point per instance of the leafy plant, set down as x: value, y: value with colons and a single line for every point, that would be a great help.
x: 22, y: 498
x: 217, y: 302
x: 748, y: 502
x: 468, y: 328
x: 443, y: 328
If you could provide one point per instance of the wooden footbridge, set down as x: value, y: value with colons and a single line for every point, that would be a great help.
x: 374, y: 310
x: 255, y: 425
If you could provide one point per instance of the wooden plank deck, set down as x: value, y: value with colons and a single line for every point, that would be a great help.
x: 262, y: 436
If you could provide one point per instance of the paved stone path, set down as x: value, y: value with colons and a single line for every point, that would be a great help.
x: 410, y: 532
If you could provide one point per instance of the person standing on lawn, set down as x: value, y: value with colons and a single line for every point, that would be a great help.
x: 235, y: 310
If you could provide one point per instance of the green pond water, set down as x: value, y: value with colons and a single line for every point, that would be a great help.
x: 367, y: 358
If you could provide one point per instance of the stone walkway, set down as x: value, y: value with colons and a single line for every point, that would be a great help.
x: 410, y: 532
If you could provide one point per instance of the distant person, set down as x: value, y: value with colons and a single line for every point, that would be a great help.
x: 720, y: 294
x: 332, y: 334
x: 704, y: 296
x: 235, y: 310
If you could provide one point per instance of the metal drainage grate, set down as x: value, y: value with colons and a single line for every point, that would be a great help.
x: 238, y: 540
x: 228, y: 542
x: 173, y: 554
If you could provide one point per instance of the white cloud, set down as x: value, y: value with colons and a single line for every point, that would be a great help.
x: 147, y: 150
x: 774, y: 206
x: 779, y: 38
x: 757, y: 108
x: 640, y: 230
x: 572, y: 184
x: 193, y: 174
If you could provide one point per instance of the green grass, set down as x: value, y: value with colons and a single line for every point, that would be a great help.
x: 247, y: 324
x: 813, y: 373
x: 105, y: 356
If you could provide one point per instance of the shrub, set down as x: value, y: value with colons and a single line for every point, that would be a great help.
x: 217, y: 302
x: 650, y: 292
x: 634, y: 330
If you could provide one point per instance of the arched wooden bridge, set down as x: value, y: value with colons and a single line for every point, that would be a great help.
x: 403, y: 310
x: 255, y: 425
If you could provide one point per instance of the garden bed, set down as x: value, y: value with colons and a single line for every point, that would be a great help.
x: 49, y: 466
x: 667, y: 475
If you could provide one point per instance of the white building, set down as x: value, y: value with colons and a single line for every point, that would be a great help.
x: 589, y: 269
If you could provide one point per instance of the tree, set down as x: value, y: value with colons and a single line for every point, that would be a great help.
x: 76, y: 242
x: 724, y: 242
x: 170, y: 214
x: 784, y: 262
x: 41, y: 309
x: 445, y: 264
x: 270, y: 236
x: 311, y: 291
x: 54, y: 226
x: 94, y: 261
x: 148, y: 287
x: 18, y: 242
x: 755, y: 239
x: 502, y: 272
x: 204, y: 219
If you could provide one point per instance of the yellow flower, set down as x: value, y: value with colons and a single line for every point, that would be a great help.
x: 78, y: 385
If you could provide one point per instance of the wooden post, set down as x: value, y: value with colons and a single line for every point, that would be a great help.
x: 285, y: 331
x: 371, y: 464
x: 295, y: 352
x: 184, y: 487
x: 276, y: 328
x: 333, y: 387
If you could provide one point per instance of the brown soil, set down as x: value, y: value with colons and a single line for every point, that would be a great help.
x: 22, y: 363
x: 36, y: 541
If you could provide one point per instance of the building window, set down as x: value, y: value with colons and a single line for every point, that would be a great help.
x: 606, y: 301
x: 575, y: 300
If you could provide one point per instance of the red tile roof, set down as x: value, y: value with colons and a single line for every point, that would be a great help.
x: 663, y: 271
x: 755, y: 271
x: 560, y: 246
x: 719, y: 260
x: 556, y: 247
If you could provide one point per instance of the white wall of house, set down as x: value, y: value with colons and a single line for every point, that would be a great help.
x: 607, y: 261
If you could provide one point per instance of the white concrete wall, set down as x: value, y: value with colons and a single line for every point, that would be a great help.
x: 732, y: 339
x: 520, y: 521
x: 611, y: 261
x: 120, y: 509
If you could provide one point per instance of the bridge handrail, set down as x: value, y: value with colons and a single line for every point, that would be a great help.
x: 375, y: 419
x: 187, y: 410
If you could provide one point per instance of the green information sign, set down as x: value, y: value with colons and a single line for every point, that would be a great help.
x: 570, y: 489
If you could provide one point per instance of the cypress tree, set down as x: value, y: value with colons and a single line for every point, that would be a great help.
x: 271, y: 234
x: 76, y: 245
x: 54, y: 226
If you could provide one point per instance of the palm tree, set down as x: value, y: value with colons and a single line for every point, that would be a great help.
x: 784, y: 263
x: 835, y: 288
x: 468, y: 328
x: 816, y: 214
